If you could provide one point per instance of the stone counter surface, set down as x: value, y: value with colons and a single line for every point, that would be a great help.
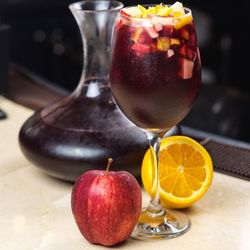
x: 35, y: 211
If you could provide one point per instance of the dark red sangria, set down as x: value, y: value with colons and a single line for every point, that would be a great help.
x: 156, y: 68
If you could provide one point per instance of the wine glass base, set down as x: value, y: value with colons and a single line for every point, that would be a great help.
x: 169, y: 224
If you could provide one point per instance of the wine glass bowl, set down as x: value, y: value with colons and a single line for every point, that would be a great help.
x: 155, y: 78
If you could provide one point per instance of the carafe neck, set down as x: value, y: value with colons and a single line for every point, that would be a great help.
x: 96, y: 21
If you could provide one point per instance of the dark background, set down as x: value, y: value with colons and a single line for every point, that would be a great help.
x: 46, y: 40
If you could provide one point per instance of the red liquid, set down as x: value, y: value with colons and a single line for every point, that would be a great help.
x: 155, y: 86
x: 79, y: 134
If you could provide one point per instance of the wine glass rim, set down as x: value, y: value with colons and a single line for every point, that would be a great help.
x: 188, y: 13
x: 77, y: 6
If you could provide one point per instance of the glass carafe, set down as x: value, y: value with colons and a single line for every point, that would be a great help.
x: 81, y: 131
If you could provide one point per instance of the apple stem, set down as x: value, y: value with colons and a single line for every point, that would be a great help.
x: 110, y: 160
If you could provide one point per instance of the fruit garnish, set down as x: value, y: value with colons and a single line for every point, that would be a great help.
x: 177, y: 9
x: 140, y: 49
x: 152, y: 32
x: 141, y: 35
x: 182, y: 21
x: 132, y: 12
x: 162, y: 12
x: 184, y: 33
x: 170, y: 53
x: 186, y: 68
x: 136, y: 34
x: 174, y: 41
x: 162, y: 20
x: 147, y: 11
x: 158, y: 27
x: 185, y: 172
x: 174, y: 10
x: 163, y: 43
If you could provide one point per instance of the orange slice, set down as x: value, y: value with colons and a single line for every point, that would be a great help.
x: 182, y: 21
x: 185, y: 172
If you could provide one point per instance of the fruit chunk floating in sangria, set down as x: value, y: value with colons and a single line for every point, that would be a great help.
x: 157, y: 45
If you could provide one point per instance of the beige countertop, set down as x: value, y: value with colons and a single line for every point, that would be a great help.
x: 35, y: 211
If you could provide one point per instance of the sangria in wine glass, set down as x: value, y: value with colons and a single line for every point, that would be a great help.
x: 155, y: 78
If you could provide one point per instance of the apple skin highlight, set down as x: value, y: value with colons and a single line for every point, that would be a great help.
x: 106, y: 205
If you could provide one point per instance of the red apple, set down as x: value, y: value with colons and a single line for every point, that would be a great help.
x: 106, y: 205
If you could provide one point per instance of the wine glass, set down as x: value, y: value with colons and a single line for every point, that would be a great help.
x: 155, y: 78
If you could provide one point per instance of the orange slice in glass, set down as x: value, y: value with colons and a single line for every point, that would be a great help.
x: 182, y: 21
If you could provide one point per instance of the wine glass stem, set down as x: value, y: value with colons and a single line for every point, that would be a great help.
x: 154, y: 205
x: 155, y: 222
